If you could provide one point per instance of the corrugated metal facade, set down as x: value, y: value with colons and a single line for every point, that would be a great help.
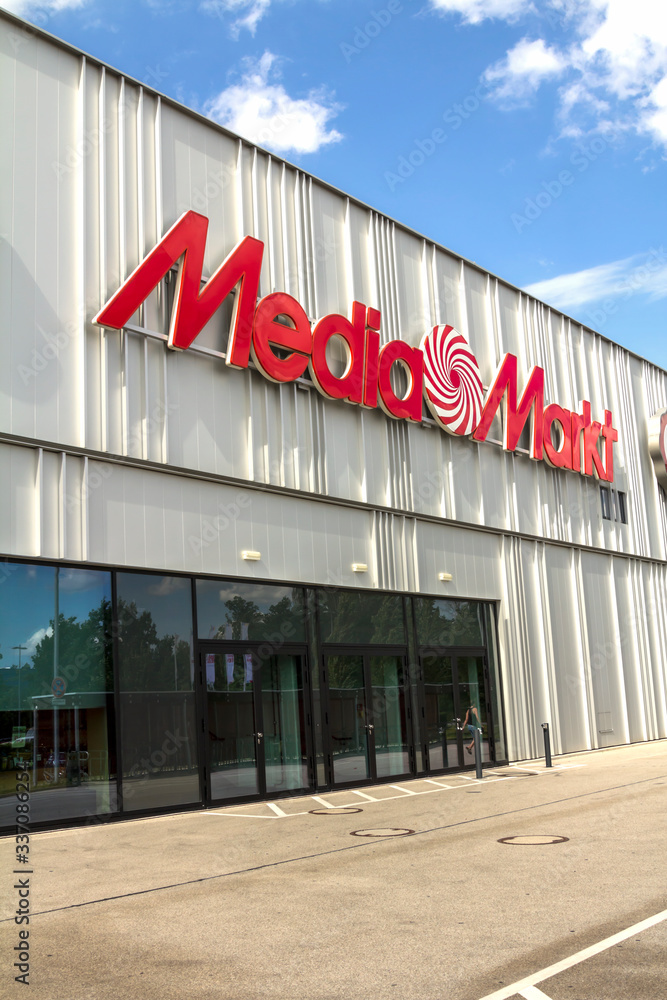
x: 117, y: 451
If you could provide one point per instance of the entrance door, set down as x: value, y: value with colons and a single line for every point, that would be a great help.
x: 254, y: 723
x: 455, y: 699
x: 367, y: 717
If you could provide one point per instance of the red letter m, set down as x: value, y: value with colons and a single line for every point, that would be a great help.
x: 192, y: 309
x: 515, y: 418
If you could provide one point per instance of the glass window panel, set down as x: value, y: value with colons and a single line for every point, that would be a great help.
x: 255, y: 611
x: 348, y: 718
x: 606, y: 503
x: 441, y: 735
x: 56, y: 691
x: 321, y: 779
x: 283, y: 722
x: 389, y: 716
x: 158, y: 731
x: 500, y: 750
x: 442, y: 622
x: 232, y: 725
x: 415, y: 689
x: 361, y: 617
x: 472, y: 705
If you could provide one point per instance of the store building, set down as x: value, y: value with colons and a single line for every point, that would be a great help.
x: 275, y: 518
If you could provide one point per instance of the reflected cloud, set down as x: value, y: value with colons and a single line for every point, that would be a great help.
x: 168, y: 585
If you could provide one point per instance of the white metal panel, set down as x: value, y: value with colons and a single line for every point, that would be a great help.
x: 606, y: 641
x: 568, y: 644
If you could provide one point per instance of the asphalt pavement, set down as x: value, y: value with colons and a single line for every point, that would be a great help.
x: 543, y: 882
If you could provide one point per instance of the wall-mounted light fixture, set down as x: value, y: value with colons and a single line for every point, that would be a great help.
x: 250, y: 555
x: 359, y: 567
x: 445, y: 577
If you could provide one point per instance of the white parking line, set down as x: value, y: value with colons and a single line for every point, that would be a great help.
x: 489, y: 778
x: 532, y: 993
x: 523, y: 985
x: 276, y: 809
x: 217, y: 812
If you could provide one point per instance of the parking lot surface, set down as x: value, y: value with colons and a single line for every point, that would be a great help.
x: 546, y: 882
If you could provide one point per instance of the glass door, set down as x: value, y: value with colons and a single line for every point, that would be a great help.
x: 368, y: 729
x: 284, y: 723
x: 472, y: 705
x: 233, y: 732
x: 349, y: 725
x: 255, y: 724
x: 443, y: 733
x: 455, y: 704
x: 390, y: 729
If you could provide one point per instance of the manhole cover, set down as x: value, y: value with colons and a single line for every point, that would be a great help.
x: 386, y: 831
x: 534, y: 840
x: 335, y: 811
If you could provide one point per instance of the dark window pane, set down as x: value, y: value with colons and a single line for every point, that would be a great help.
x: 158, y: 732
x: 390, y: 734
x: 622, y: 508
x: 56, y: 691
x: 440, y: 714
x: 441, y: 622
x: 348, y: 714
x: 357, y: 616
x: 606, y: 503
x: 240, y: 611
x: 500, y: 751
x: 155, y: 632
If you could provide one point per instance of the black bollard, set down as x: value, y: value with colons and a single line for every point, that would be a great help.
x: 547, y: 743
x: 478, y: 755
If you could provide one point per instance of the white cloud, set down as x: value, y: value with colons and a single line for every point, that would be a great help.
x: 245, y: 13
x: 641, y: 273
x: 525, y: 67
x: 263, y: 111
x: 614, y: 66
x: 168, y: 585
x: 39, y: 10
x: 475, y: 11
x: 251, y: 12
x: 33, y: 642
x: 74, y: 581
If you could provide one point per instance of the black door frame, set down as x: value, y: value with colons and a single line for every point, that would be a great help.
x: 365, y: 652
x: 455, y: 653
x: 260, y: 649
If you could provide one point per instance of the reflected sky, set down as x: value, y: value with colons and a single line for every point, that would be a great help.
x: 168, y: 598
x: 28, y: 603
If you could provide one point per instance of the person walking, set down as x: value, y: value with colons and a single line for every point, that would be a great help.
x: 472, y: 722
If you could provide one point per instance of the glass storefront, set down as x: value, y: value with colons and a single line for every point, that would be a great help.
x: 132, y: 692
x: 56, y: 692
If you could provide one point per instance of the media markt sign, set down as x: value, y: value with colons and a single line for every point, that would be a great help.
x: 443, y: 369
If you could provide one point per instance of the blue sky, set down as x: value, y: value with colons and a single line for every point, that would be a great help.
x: 530, y: 137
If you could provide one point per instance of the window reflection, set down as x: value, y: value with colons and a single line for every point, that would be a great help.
x: 354, y: 616
x: 56, y: 690
x: 442, y: 622
x: 250, y: 611
x: 158, y: 742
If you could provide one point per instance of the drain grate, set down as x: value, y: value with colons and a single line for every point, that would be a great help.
x: 534, y: 840
x: 387, y: 831
x: 335, y: 811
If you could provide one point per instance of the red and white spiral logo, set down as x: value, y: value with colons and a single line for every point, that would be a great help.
x: 452, y: 380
